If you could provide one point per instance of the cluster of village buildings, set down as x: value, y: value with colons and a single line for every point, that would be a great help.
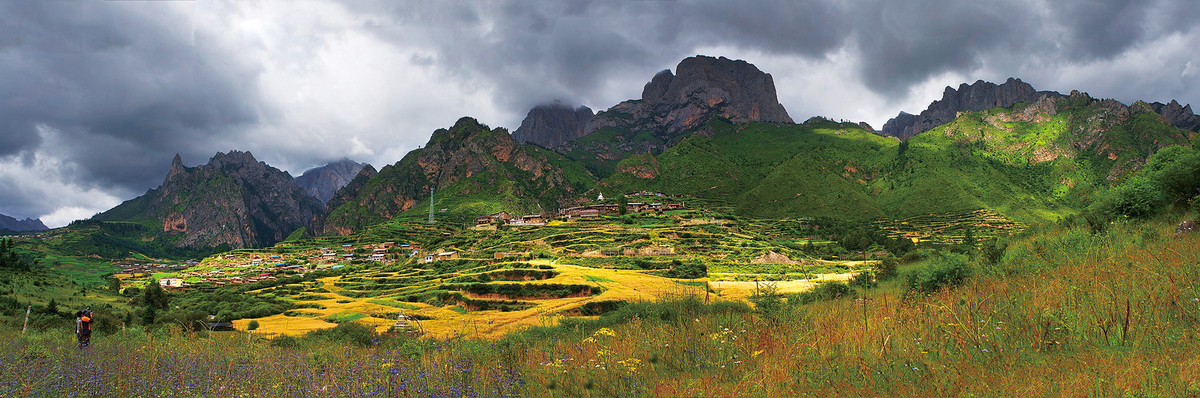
x: 583, y: 212
x: 253, y: 267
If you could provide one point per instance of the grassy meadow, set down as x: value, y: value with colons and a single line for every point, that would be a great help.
x: 1059, y: 310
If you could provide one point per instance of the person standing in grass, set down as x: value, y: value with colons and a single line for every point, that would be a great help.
x: 83, y: 327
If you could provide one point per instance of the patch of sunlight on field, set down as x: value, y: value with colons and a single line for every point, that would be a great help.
x: 745, y: 289
x: 619, y: 285
x: 622, y: 285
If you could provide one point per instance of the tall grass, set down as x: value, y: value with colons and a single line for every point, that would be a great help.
x: 1063, y: 312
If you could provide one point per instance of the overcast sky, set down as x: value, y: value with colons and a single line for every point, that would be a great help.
x: 96, y: 97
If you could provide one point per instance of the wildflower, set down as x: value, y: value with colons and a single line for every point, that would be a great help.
x: 630, y: 364
x: 754, y: 354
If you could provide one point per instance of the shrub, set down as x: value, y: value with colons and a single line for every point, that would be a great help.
x: 885, y: 269
x: 285, y: 341
x: 864, y: 280
x: 687, y: 270
x: 349, y: 332
x: 943, y: 270
x: 767, y: 300
x: 831, y: 290
x: 252, y: 325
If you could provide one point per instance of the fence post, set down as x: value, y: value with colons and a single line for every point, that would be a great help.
x: 26, y: 325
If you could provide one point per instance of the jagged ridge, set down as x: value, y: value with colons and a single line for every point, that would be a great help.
x: 983, y: 95
x: 233, y: 200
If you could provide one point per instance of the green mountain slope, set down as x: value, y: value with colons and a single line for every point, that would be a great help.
x: 474, y: 170
x: 232, y: 201
x: 1033, y: 161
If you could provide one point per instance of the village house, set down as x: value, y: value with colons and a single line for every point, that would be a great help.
x: 449, y: 255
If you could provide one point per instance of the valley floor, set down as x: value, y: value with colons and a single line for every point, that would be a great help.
x: 1063, y: 312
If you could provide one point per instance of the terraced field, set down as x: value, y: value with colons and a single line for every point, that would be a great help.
x: 514, y: 277
x: 554, y: 290
x: 951, y: 228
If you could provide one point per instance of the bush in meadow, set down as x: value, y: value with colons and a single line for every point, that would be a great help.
x: 349, y: 332
x: 943, y: 270
x: 887, y: 268
x: 831, y: 290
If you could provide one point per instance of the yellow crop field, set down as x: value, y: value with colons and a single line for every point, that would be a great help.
x: 618, y: 285
x: 623, y: 285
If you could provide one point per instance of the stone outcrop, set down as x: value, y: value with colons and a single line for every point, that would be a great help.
x: 974, y: 97
x: 553, y: 125
x: 323, y: 182
x: 985, y: 95
x: 1185, y: 227
x: 233, y: 200
x: 701, y: 89
x: 1176, y: 115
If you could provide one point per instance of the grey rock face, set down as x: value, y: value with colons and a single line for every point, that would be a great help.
x: 985, y: 95
x: 975, y: 97
x: 323, y: 182
x: 701, y: 89
x: 234, y: 200
x: 552, y: 125
x: 1176, y: 115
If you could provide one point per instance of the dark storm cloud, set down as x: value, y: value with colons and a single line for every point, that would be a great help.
x: 535, y: 52
x: 903, y: 43
x: 123, y: 86
x: 539, y: 51
x: 97, y: 96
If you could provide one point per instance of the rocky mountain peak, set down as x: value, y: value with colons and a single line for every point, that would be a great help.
x: 983, y: 95
x: 235, y: 161
x: 468, y: 160
x: 28, y: 224
x: 977, y: 96
x: 701, y: 89
x: 177, y: 168
x: 234, y: 199
x: 656, y: 89
x: 552, y: 125
x: 323, y: 182
x: 1176, y: 115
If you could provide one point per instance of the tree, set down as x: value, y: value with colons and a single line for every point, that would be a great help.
x: 52, y: 307
x: 9, y: 258
x: 252, y: 325
x: 154, y: 296
x: 622, y: 207
x: 148, y: 315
